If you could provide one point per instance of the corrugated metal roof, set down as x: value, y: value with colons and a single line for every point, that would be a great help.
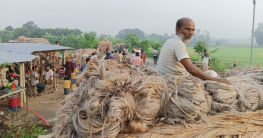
x: 11, y: 57
x: 29, y: 48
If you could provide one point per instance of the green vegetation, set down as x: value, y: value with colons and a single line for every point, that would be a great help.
x: 32, y: 131
x: 259, y: 34
x: 229, y: 54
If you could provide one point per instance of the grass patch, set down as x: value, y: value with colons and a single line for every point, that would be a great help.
x: 229, y: 54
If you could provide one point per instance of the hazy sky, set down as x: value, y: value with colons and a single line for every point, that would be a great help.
x: 222, y: 18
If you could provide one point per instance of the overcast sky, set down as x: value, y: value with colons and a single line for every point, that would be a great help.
x: 222, y: 18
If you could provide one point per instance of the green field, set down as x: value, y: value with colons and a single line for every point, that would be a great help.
x: 228, y: 54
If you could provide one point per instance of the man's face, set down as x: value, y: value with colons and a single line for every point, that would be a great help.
x: 37, y: 68
x: 205, y: 52
x: 47, y: 68
x: 67, y: 59
x: 186, y: 31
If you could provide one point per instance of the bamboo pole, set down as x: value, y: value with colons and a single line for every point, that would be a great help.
x: 35, y: 78
x: 54, y: 77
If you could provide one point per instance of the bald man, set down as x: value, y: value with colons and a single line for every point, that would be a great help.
x: 70, y: 66
x: 174, y: 59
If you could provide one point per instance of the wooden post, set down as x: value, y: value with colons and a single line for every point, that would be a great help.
x: 35, y: 78
x: 22, y: 83
x: 66, y: 89
x: 54, y: 77
x: 73, y: 81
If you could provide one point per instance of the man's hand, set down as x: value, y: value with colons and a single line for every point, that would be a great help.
x: 222, y: 80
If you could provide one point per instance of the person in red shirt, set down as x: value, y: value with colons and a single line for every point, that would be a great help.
x: 136, y: 61
x: 70, y: 66
x: 143, y: 57
x: 116, y: 54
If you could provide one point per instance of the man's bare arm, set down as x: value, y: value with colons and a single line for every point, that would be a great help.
x: 192, y: 69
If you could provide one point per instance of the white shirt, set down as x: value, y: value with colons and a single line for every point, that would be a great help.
x: 139, y: 51
x: 173, y: 50
x: 155, y: 52
x: 206, y: 59
x: 33, y: 75
x: 133, y: 55
x: 48, y: 74
x: 94, y: 57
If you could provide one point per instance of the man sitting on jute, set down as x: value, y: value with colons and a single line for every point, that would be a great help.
x: 174, y: 59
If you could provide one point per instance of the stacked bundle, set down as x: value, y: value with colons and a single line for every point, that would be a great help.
x: 115, y: 99
x: 81, y: 54
x: 103, y: 45
x: 30, y: 40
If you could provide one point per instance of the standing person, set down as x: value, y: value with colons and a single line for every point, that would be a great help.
x: 35, y: 80
x: 116, y: 55
x: 174, y: 59
x: 133, y: 54
x: 137, y: 61
x: 155, y: 55
x: 120, y: 56
x: 135, y: 50
x: 206, y: 60
x: 70, y: 66
x: 85, y: 65
x: 139, y: 50
x: 143, y: 57
x: 112, y: 55
x: 11, y: 74
x: 123, y: 52
x: 48, y: 74
x: 107, y: 54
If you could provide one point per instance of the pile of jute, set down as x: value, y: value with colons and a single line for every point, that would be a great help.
x: 24, y: 39
x: 118, y: 100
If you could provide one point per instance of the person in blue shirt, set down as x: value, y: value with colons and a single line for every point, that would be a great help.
x: 85, y: 65
x: 108, y: 54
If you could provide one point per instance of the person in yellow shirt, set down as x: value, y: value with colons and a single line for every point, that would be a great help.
x: 120, y: 56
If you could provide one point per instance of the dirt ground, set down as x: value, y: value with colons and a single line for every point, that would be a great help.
x: 47, y: 104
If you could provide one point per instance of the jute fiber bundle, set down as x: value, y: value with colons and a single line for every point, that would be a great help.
x: 223, y: 125
x: 102, y: 45
x: 118, y: 100
x: 30, y: 40
x: 82, y: 53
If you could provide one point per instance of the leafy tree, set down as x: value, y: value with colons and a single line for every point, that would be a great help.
x: 199, y: 47
x: 6, y: 36
x: 9, y: 28
x: 158, y: 36
x: 0, y: 40
x: 132, y: 40
x: 123, y: 33
x: 90, y: 40
x: 259, y: 34
x: 21, y: 32
x: 30, y: 25
x: 145, y: 44
x: 198, y: 36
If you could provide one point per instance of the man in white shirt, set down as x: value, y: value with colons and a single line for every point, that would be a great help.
x: 48, y: 74
x: 174, y: 59
x: 155, y: 54
x: 133, y: 54
x: 206, y: 60
x: 139, y: 50
x: 35, y: 80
